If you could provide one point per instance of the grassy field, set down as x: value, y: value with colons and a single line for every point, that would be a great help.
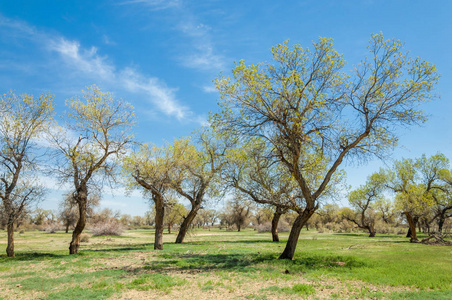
x: 224, y: 265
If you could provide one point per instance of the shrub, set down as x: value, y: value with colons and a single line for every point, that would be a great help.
x: 111, y: 227
x: 264, y: 227
x: 52, y: 227
x: 283, y: 226
x: 84, y: 238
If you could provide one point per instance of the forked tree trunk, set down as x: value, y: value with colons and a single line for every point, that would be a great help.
x: 159, y: 214
x: 81, y: 223
x: 186, y: 224
x: 412, y: 224
x: 298, y: 224
x: 275, y: 221
x: 10, y: 247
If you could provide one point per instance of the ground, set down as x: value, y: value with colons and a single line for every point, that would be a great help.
x: 224, y: 265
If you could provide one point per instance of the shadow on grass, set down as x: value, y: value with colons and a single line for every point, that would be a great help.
x: 30, y: 256
x: 352, y: 234
x: 250, y: 262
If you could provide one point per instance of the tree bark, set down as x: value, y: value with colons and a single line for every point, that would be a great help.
x: 441, y: 220
x: 169, y: 228
x: 298, y: 224
x: 186, y: 224
x: 440, y: 225
x: 67, y: 227
x: 10, y: 247
x: 159, y: 214
x: 412, y: 224
x: 371, y: 229
x: 408, y: 234
x: 275, y: 221
x: 81, y: 223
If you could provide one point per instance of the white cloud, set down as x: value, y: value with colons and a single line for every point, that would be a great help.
x: 155, y: 4
x: 209, y: 89
x: 163, y: 96
x: 89, y: 62
x: 200, y: 54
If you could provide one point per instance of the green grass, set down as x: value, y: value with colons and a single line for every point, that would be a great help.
x: 227, y: 262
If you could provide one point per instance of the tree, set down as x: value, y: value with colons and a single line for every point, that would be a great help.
x: 103, y: 126
x: 386, y: 211
x: 259, y: 179
x: 196, y: 172
x: 149, y: 169
x: 238, y: 211
x: 207, y: 217
x: 302, y: 105
x: 23, y: 119
x: 435, y: 169
x: 363, y: 199
x: 68, y: 209
x: 175, y: 213
x: 416, y: 184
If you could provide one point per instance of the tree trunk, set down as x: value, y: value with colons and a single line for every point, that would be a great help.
x: 75, y: 243
x: 169, y: 228
x: 67, y: 227
x: 298, y: 224
x: 186, y: 224
x: 440, y: 225
x: 412, y: 224
x: 10, y: 247
x: 441, y: 220
x: 275, y: 221
x: 371, y: 229
x: 159, y: 214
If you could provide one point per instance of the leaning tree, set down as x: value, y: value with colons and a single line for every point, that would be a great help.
x: 23, y: 119
x: 197, y: 168
x: 149, y: 169
x: 313, y: 114
x: 97, y: 132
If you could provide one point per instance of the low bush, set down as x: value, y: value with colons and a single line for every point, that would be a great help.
x: 84, y: 238
x: 267, y: 227
x: 111, y: 227
x: 52, y: 227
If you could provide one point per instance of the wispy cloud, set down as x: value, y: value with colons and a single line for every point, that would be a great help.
x: 164, y: 96
x: 209, y: 89
x: 155, y: 4
x: 85, y: 60
x: 89, y: 62
x: 201, y: 54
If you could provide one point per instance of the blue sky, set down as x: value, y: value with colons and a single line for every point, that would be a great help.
x: 163, y: 55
